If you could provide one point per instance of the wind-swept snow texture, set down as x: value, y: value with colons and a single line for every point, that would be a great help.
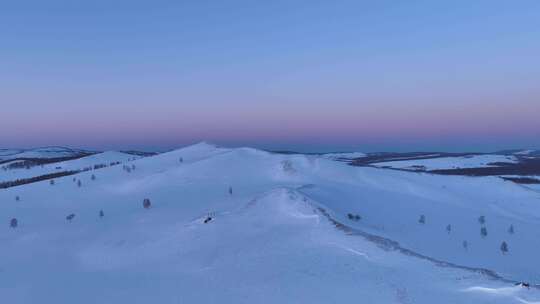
x: 282, y: 236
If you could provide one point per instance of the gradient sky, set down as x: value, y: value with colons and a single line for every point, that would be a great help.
x: 297, y: 74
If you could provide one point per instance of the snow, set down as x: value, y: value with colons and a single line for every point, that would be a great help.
x: 474, y: 161
x: 105, y: 158
x: 524, y: 152
x: 272, y: 240
x: 46, y: 152
x: 344, y: 155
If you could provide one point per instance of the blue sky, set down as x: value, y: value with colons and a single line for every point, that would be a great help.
x: 304, y: 75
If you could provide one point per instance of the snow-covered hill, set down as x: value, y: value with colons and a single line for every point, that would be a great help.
x: 344, y: 155
x: 7, y: 173
x: 46, y: 152
x: 288, y: 233
x: 472, y: 161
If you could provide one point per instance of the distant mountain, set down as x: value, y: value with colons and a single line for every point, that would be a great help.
x: 522, y: 152
x: 207, y: 224
x: 55, y: 152
x: 22, y: 171
x: 41, y: 153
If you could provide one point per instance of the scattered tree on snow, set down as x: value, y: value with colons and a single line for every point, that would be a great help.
x: 93, y: 177
x: 17, y: 198
x: 51, y: 182
x: 230, y: 190
x: 181, y: 159
x: 13, y: 223
x: 146, y: 203
x: 70, y: 217
x: 465, y: 244
x: 482, y: 220
x: 504, y: 247
x: 101, y: 213
x: 79, y: 183
x: 449, y: 228
x: 422, y: 219
x: 511, y: 229
x: 483, y: 232
x: 354, y: 217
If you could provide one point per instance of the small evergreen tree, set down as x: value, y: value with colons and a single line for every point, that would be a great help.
x: 146, y: 203
x: 504, y: 247
x: 230, y: 190
x: 93, y: 177
x: 17, y: 198
x: 465, y: 245
x: 70, y: 217
x: 511, y: 229
x: 79, y: 184
x: 101, y: 213
x: 13, y: 223
x: 181, y: 159
x: 422, y: 219
x: 483, y: 232
x: 132, y: 167
x: 354, y: 217
x: 51, y: 182
x: 482, y: 220
x: 449, y: 228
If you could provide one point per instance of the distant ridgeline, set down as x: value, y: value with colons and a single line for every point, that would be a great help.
x: 524, y: 167
x: 20, y: 163
x: 23, y: 181
x: 21, y: 160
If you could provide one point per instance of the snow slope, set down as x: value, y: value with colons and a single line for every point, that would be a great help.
x: 474, y: 161
x: 46, y: 152
x: 283, y: 236
x: 344, y: 155
x: 104, y: 158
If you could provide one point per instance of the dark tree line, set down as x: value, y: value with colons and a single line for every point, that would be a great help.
x: 34, y: 179
x: 20, y: 163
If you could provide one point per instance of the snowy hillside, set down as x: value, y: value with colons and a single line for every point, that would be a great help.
x: 47, y: 152
x: 473, y: 161
x: 247, y: 226
x: 100, y: 159
x: 344, y: 155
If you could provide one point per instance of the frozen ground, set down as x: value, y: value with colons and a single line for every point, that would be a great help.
x: 104, y: 158
x: 473, y: 161
x: 46, y: 152
x: 344, y: 155
x: 282, y: 236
